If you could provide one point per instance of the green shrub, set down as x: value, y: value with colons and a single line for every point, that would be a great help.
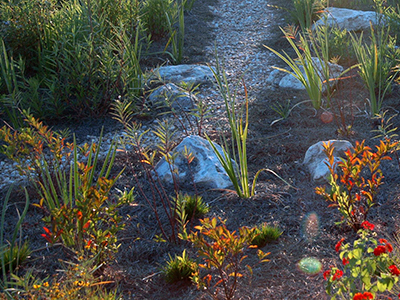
x: 368, y: 267
x: 337, y: 43
x: 23, y: 26
x: 76, y: 61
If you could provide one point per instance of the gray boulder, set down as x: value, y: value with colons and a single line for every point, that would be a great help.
x: 194, y: 74
x: 352, y: 20
x: 289, y: 81
x: 315, y: 159
x: 205, y: 167
x: 170, y: 94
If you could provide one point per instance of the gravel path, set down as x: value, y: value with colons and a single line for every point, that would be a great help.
x: 240, y: 30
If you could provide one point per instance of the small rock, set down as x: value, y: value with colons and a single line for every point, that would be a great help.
x: 315, y: 159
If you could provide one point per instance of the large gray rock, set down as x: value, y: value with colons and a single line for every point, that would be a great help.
x: 289, y: 81
x: 195, y: 74
x: 315, y: 159
x: 170, y: 94
x: 205, y: 167
x: 352, y: 20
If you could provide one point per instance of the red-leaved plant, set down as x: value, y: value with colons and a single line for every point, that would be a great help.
x: 353, y: 188
x: 222, y: 251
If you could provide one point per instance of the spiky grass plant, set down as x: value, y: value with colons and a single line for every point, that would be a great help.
x: 177, y: 36
x: 14, y: 252
x: 235, y: 163
x: 306, y: 12
x: 302, y: 67
x: 312, y: 66
x: 376, y: 62
x: 193, y: 205
x: 179, y: 268
x: 265, y: 234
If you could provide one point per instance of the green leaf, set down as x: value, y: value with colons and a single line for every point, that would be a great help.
x: 366, y: 279
x: 357, y: 253
x: 384, y: 284
x: 371, y: 266
x: 355, y: 272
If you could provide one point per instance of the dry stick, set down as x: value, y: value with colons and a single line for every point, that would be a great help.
x: 170, y: 213
x: 270, y: 137
x: 152, y: 206
x: 162, y: 195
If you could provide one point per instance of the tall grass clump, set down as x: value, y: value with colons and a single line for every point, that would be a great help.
x: 306, y: 12
x: 302, y: 67
x: 157, y: 15
x: 312, y: 65
x: 14, y: 252
x: 177, y: 36
x: 376, y: 62
x: 235, y: 162
x: 88, y: 58
x: 10, y: 95
x: 72, y: 58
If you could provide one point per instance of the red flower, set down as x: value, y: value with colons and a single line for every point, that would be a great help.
x: 379, y: 250
x: 382, y: 241
x: 327, y: 273
x: 365, y: 296
x: 394, y: 270
x: 389, y: 247
x: 345, y: 261
x: 368, y: 295
x: 367, y: 225
x: 338, y: 274
x: 338, y: 245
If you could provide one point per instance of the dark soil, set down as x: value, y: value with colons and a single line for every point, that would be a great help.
x: 308, y: 224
